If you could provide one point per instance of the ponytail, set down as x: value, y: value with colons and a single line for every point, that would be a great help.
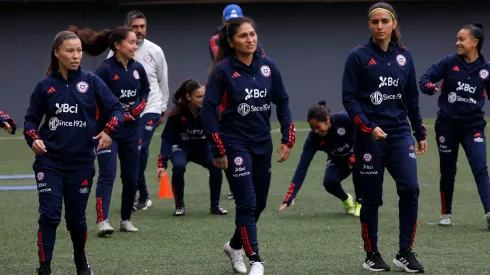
x: 95, y: 43
x: 396, y: 35
x: 476, y: 31
x: 180, y: 96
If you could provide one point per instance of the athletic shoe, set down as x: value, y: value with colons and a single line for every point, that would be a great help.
x: 256, y: 268
x: 143, y: 205
x: 104, y: 228
x: 408, y: 261
x: 357, y: 211
x: 446, y: 220
x: 179, y: 211
x: 83, y: 268
x: 236, y: 258
x: 127, y: 226
x: 230, y: 196
x: 349, y: 205
x: 218, y: 211
x: 374, y: 262
x: 44, y: 269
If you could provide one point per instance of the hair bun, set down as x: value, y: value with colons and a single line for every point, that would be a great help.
x: 478, y: 25
x: 322, y: 102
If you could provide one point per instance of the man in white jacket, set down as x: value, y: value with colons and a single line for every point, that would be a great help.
x: 151, y: 56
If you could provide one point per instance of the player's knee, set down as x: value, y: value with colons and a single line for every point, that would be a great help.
x: 246, y: 207
x: 330, y: 185
x: 479, y: 169
x: 106, y: 178
x: 408, y: 189
x: 49, y: 220
x: 77, y: 224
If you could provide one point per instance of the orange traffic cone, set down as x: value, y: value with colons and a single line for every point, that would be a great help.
x: 165, y: 192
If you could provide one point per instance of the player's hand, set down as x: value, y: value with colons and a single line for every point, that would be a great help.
x: 221, y: 162
x: 421, y: 148
x: 377, y: 133
x: 160, y: 120
x: 160, y: 172
x: 284, y: 152
x: 285, y: 205
x: 105, y: 141
x: 7, y: 127
x: 38, y: 147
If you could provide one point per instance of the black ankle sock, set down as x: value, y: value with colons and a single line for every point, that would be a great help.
x: 255, y: 258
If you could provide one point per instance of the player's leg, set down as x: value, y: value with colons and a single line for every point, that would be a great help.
x: 205, y: 159
x: 179, y: 159
x: 402, y: 166
x: 148, y: 126
x: 129, y: 154
x: 50, y: 193
x: 474, y: 144
x: 335, y: 173
x: 77, y: 187
x: 370, y: 166
x: 107, y: 160
x: 448, y: 144
x: 358, y: 191
x: 245, y: 235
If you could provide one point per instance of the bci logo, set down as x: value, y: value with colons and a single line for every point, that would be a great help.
x: 66, y: 108
x: 255, y: 93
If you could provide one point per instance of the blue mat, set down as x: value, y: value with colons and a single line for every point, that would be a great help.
x: 16, y: 177
x: 18, y: 188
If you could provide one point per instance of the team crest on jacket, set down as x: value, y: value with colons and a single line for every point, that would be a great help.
x: 238, y: 161
x: 40, y: 175
x: 367, y: 157
x: 341, y: 131
x: 147, y: 58
x: 136, y: 74
x: 483, y: 74
x: 442, y: 139
x: 265, y: 70
x: 401, y: 60
x: 82, y: 87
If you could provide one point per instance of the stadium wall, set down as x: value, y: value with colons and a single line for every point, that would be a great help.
x: 309, y: 42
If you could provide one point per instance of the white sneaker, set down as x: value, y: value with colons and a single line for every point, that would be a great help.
x: 446, y: 220
x: 236, y: 258
x: 142, y: 205
x: 487, y: 216
x: 127, y: 226
x: 256, y: 268
x: 104, y: 228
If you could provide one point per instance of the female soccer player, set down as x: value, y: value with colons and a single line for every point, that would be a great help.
x: 333, y: 135
x: 184, y: 140
x: 7, y: 123
x: 460, y: 117
x: 68, y: 98
x: 128, y: 81
x: 242, y: 85
x: 379, y: 91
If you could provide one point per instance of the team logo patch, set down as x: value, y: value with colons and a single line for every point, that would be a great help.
x: 341, y: 131
x: 367, y: 157
x: 442, y: 139
x: 265, y: 70
x: 136, y: 74
x: 82, y: 87
x: 484, y: 74
x: 40, y: 176
x: 401, y: 60
x: 238, y: 161
x: 147, y: 58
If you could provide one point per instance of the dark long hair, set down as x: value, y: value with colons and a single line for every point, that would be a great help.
x: 95, y: 43
x: 180, y: 96
x: 58, y: 39
x: 226, y: 34
x: 396, y: 35
x: 476, y: 31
